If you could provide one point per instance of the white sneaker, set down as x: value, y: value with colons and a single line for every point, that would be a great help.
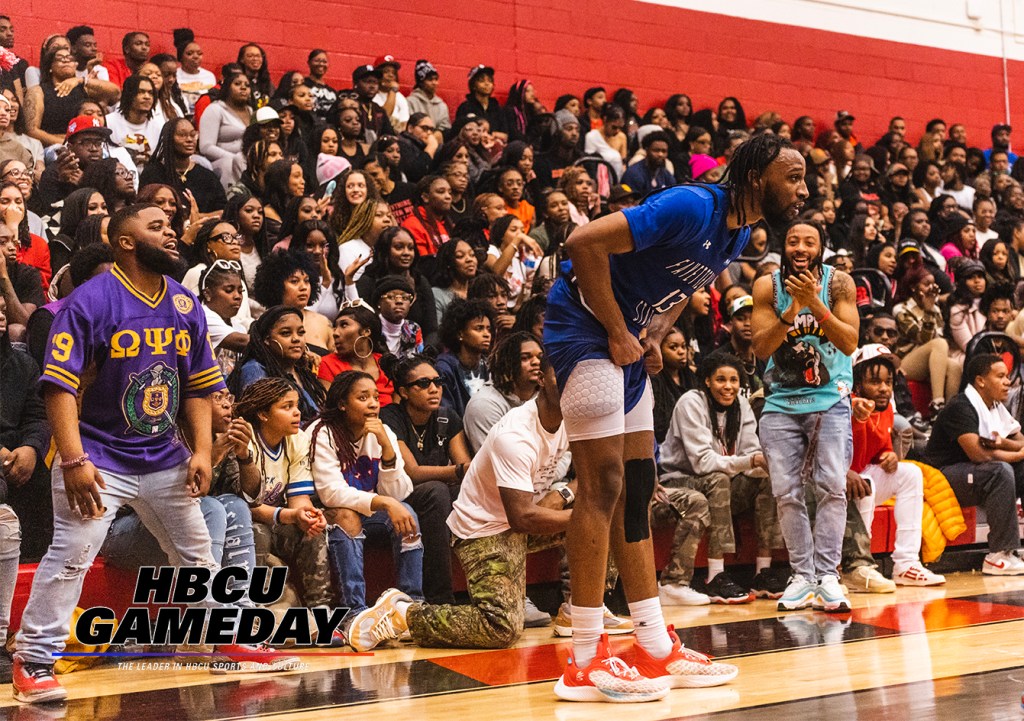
x: 677, y: 594
x: 917, y: 575
x: 867, y: 579
x: 533, y: 617
x: 1003, y: 563
x: 830, y: 596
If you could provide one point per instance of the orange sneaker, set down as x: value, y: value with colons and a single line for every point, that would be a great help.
x: 607, y: 678
x: 683, y: 668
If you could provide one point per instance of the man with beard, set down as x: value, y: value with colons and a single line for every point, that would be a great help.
x: 805, y: 319
x: 142, y: 341
x: 549, y: 166
x: 629, y: 276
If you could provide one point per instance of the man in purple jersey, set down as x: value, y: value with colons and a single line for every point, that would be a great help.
x: 133, y: 345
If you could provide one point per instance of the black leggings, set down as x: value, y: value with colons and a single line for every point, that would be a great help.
x: 432, y: 501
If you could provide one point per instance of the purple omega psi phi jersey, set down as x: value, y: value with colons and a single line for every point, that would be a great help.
x: 141, y: 356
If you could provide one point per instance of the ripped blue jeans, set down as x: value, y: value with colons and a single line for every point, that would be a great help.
x: 130, y: 545
x: 162, y: 502
x: 814, y: 552
x: 346, y: 556
x: 10, y: 549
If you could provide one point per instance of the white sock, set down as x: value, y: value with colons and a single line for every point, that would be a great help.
x: 715, y: 566
x: 587, y: 627
x: 763, y: 563
x: 649, y: 623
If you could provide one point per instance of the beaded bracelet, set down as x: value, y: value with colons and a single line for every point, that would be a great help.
x: 74, y: 462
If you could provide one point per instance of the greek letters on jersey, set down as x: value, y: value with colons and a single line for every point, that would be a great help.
x: 144, y: 353
x: 681, y: 242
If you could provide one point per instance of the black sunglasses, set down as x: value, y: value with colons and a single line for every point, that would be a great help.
x: 424, y: 383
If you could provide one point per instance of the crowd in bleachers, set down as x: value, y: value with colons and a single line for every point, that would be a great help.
x: 375, y: 266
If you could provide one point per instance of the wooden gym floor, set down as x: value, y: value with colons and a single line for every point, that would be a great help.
x: 954, y: 652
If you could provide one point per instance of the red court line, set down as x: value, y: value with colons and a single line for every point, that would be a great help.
x: 936, y: 615
x: 519, y: 665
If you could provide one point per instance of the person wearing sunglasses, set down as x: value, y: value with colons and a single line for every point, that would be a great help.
x: 419, y: 143
x: 53, y: 104
x: 393, y: 298
x: 114, y: 180
x: 217, y: 240
x: 433, y: 446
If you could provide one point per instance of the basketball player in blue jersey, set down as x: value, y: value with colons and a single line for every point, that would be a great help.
x: 629, y: 276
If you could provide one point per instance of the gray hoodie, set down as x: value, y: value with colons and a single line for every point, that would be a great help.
x: 691, y: 449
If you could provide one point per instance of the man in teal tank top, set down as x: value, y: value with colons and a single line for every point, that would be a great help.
x: 806, y: 323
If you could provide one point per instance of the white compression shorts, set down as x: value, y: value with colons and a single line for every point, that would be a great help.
x: 593, y: 403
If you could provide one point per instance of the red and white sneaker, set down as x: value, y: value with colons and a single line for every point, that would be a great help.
x: 35, y: 683
x: 241, y: 658
x: 607, y: 678
x: 683, y: 668
x: 917, y: 575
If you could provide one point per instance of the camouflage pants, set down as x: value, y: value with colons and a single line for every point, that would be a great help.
x: 306, y: 557
x: 689, y: 510
x: 724, y: 498
x: 495, y: 568
x: 611, y: 577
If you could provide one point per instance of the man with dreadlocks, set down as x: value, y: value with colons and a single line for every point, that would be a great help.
x: 624, y: 287
x: 806, y: 321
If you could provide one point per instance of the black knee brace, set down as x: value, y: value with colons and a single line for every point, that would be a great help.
x: 639, y: 479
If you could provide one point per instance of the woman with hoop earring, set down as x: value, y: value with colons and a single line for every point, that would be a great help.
x: 358, y: 346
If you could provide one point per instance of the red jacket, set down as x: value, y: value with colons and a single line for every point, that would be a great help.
x: 427, y: 243
x: 38, y: 256
x: 871, y: 438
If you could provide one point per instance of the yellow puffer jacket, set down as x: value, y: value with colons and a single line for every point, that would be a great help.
x: 942, y: 519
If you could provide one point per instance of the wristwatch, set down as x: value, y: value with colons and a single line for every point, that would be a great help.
x: 567, y: 495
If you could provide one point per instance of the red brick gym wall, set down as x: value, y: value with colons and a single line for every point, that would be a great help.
x: 565, y: 46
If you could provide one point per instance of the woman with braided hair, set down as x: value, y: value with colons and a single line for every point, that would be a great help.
x: 260, y: 156
x: 277, y: 349
x: 275, y: 478
x: 360, y: 478
x: 355, y: 242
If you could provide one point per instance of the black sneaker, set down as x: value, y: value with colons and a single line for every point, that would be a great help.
x: 722, y: 589
x: 770, y: 583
